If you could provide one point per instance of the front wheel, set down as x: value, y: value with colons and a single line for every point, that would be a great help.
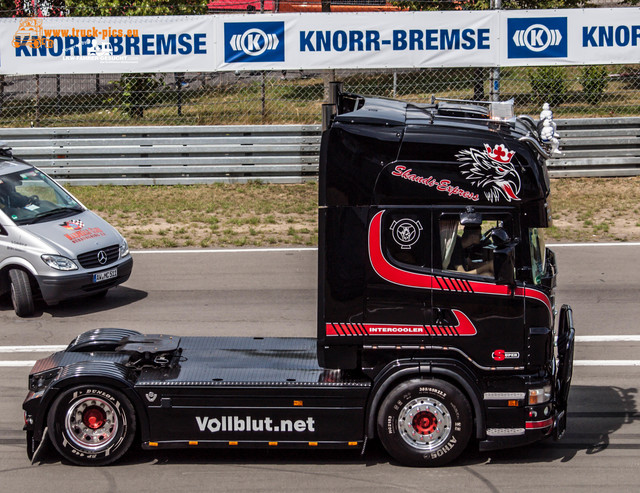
x: 425, y: 422
x: 91, y: 426
x: 21, y: 293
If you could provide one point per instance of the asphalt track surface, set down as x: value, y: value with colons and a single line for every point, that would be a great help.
x: 272, y: 293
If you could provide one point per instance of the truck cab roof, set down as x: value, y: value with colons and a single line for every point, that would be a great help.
x: 382, y: 151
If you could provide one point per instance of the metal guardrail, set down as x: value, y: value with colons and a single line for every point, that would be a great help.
x: 597, y: 147
x: 170, y: 155
x: 271, y: 153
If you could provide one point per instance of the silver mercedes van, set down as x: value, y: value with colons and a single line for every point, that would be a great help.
x: 51, y: 246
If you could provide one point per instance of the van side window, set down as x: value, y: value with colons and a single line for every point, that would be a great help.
x: 468, y: 248
x: 406, y: 238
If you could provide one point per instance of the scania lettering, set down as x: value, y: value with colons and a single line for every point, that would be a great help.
x: 437, y: 318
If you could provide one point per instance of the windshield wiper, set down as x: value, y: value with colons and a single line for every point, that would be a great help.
x: 53, y: 212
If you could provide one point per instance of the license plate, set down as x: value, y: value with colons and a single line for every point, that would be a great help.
x: 103, y: 276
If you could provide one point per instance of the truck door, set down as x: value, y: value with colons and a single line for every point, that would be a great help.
x: 398, y: 295
x: 474, y: 314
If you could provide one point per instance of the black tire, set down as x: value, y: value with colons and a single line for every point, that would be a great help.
x: 92, y: 425
x: 21, y: 294
x: 425, y: 423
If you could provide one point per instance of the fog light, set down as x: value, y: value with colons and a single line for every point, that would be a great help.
x: 539, y: 396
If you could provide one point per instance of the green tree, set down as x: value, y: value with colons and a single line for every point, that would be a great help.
x: 128, y: 7
x: 485, y: 4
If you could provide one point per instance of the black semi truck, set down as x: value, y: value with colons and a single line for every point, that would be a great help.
x: 436, y: 313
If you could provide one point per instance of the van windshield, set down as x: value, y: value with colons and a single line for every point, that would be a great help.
x: 31, y: 196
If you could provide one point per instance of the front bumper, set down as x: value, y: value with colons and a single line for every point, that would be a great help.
x: 65, y: 287
x: 533, y: 423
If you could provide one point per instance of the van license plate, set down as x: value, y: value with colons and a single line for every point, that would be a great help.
x: 103, y: 276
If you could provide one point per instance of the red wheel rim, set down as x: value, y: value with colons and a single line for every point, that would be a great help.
x: 424, y: 423
x: 94, y: 418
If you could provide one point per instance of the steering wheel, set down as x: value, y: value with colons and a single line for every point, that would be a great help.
x: 34, y: 199
x: 495, y: 236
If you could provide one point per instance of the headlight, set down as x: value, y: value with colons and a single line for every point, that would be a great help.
x: 124, y: 249
x: 42, y: 380
x: 539, y: 396
x: 59, y: 263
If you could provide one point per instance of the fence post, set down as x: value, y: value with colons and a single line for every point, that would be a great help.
x: 179, y: 78
x: 494, y: 90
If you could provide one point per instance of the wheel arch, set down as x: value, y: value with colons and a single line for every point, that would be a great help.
x: 16, y: 263
x: 88, y: 373
x: 399, y: 371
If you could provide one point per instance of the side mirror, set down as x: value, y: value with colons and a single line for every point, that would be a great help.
x: 504, y: 264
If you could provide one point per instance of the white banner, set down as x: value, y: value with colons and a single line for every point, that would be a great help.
x: 316, y: 41
x: 570, y: 37
x: 89, y: 45
x: 355, y: 40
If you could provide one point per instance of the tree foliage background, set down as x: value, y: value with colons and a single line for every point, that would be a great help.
x: 94, y: 8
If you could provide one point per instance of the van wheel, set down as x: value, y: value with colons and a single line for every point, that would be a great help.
x: 21, y: 294
x: 425, y: 422
x: 91, y: 425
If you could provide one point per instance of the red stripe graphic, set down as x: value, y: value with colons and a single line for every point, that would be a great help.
x: 533, y: 425
x: 331, y: 330
x: 464, y: 327
x: 402, y: 277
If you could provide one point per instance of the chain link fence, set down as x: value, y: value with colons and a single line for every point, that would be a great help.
x: 295, y: 96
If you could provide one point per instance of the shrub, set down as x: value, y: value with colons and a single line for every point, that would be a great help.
x: 548, y: 84
x: 594, y: 81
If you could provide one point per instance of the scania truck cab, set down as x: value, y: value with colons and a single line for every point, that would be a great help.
x: 436, y: 313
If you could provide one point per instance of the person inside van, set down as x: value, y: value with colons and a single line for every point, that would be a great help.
x: 10, y: 198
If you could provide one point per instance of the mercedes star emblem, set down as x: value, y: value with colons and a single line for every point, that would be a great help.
x: 102, y: 257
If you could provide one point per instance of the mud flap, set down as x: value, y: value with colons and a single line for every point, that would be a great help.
x: 36, y: 450
x: 566, y: 344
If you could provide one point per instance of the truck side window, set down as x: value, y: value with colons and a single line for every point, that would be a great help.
x: 406, y: 239
x: 469, y: 248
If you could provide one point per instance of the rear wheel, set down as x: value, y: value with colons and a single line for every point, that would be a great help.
x: 425, y: 422
x: 21, y: 293
x: 91, y: 426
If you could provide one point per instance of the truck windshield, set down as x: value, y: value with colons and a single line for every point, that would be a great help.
x: 538, y: 250
x: 29, y: 196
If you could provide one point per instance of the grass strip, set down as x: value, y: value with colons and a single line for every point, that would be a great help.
x: 258, y: 214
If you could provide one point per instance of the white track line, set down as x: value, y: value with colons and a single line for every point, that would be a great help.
x: 630, y: 243
x: 31, y: 349
x: 228, y: 250
x: 314, y: 249
x: 605, y: 362
x: 620, y: 338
